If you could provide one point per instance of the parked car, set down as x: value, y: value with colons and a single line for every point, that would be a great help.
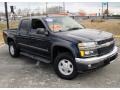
x: 61, y: 41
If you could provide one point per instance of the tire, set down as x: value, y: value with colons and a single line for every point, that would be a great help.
x: 60, y: 63
x: 13, y: 50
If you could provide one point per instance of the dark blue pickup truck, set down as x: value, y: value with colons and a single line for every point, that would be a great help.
x: 61, y: 41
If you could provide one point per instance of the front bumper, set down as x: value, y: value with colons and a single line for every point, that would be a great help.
x: 94, y: 62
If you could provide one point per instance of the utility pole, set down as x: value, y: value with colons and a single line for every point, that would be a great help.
x: 6, y: 14
x: 46, y: 8
x: 64, y: 6
x: 107, y: 9
x: 102, y: 10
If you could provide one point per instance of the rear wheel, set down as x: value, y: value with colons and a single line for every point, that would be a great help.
x: 65, y: 66
x: 13, y: 50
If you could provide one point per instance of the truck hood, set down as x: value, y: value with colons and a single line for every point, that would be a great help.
x: 86, y: 35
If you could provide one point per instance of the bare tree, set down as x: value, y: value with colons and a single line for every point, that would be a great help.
x: 106, y: 12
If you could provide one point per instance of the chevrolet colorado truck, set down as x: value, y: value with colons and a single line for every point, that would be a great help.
x: 63, y: 42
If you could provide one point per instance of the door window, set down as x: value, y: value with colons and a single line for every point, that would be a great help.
x: 36, y: 23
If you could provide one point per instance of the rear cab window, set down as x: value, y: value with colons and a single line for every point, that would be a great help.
x: 24, y: 26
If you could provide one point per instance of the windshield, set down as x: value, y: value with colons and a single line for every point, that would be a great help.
x: 65, y: 23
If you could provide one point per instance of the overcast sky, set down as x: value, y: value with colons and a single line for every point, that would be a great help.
x: 89, y: 7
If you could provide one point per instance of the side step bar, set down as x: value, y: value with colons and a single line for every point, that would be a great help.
x: 35, y: 57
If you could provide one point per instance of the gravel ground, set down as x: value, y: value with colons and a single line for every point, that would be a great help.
x: 22, y: 72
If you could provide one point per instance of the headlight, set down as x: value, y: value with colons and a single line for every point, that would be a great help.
x: 89, y: 45
x: 87, y: 49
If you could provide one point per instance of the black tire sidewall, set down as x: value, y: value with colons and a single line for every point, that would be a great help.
x: 69, y: 57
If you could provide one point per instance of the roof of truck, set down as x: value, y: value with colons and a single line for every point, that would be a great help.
x: 42, y: 16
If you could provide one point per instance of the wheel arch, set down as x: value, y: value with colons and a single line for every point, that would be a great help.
x: 56, y: 49
x: 10, y: 40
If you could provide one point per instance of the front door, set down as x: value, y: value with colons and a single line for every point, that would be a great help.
x: 39, y: 42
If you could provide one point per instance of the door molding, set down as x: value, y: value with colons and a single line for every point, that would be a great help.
x: 45, y: 50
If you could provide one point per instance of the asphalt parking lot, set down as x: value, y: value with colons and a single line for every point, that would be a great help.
x: 22, y: 72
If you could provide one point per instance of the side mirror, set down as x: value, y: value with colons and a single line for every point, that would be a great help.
x: 41, y: 31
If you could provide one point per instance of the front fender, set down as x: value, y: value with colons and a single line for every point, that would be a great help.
x: 68, y: 45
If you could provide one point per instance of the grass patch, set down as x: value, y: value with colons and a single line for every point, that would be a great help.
x: 97, y: 20
x: 2, y: 26
x: 112, y: 26
x: 117, y: 41
x: 117, y: 36
x: 1, y: 38
x: 12, y: 24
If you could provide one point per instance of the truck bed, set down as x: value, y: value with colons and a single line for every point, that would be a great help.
x: 9, y: 33
x: 12, y: 31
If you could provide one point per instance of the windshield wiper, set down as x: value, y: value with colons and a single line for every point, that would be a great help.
x: 74, y: 28
x: 60, y: 31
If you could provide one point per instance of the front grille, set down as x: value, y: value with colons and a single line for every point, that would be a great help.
x: 106, y: 49
x: 105, y: 41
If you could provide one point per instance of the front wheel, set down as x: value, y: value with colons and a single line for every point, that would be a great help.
x: 13, y: 50
x: 65, y: 66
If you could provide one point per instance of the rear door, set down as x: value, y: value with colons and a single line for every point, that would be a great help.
x: 22, y: 36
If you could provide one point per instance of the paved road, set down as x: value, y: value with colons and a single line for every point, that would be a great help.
x: 22, y: 72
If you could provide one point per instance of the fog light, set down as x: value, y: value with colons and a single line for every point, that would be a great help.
x: 91, y: 52
x: 89, y: 65
x: 87, y: 52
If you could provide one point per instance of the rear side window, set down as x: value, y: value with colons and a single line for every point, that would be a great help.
x: 24, y: 26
